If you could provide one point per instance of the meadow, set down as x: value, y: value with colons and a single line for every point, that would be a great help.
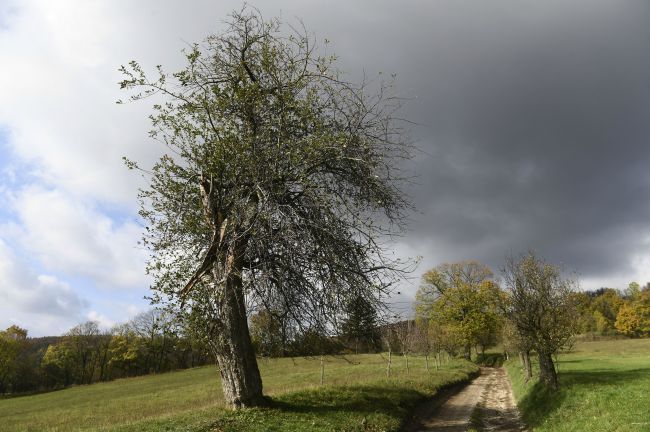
x: 605, y: 387
x: 356, y: 395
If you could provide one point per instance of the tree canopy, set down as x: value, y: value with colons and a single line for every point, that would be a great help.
x: 361, y: 325
x: 542, y: 307
x: 463, y: 297
x: 276, y: 172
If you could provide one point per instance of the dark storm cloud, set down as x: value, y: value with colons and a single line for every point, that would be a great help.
x: 539, y: 139
x: 534, y: 124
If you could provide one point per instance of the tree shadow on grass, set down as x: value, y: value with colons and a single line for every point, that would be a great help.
x: 603, y: 376
x: 562, y: 361
x: 540, y: 402
x: 490, y: 359
x: 336, y: 408
x: 360, y: 399
x: 373, y: 406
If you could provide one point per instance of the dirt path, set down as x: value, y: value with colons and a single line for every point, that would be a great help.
x: 490, y: 394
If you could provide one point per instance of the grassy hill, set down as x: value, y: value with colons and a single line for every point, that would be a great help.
x: 356, y: 396
x: 605, y: 387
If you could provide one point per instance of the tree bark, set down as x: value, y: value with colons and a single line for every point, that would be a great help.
x: 547, y: 373
x: 527, y: 368
x: 240, y: 375
x: 468, y: 352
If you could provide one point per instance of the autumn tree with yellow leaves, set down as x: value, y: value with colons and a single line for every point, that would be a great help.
x: 463, y: 298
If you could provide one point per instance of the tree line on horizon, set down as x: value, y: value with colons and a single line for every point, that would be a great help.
x: 610, y: 311
x: 152, y: 342
x: 459, y: 307
x: 156, y: 342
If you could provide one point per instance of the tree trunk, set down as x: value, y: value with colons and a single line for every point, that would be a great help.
x: 547, y: 373
x: 104, y: 363
x: 161, y: 357
x: 527, y: 367
x: 468, y: 352
x: 240, y: 375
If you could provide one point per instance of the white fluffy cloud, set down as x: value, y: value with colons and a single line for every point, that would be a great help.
x: 67, y: 203
x: 59, y: 86
x: 103, y: 321
x: 66, y: 200
x: 76, y: 239
x: 41, y: 303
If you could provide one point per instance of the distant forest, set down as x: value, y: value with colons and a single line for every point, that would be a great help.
x: 150, y: 343
x: 154, y: 342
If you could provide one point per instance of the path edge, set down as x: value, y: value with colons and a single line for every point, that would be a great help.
x: 428, y: 406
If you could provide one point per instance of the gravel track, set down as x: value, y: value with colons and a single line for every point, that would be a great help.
x: 488, y: 399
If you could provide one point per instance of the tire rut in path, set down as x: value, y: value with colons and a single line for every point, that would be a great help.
x: 490, y: 395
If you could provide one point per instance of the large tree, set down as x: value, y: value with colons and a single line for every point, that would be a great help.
x: 276, y: 171
x: 543, y: 309
x: 462, y: 296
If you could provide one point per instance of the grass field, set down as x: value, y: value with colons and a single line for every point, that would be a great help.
x: 356, y: 396
x: 605, y: 386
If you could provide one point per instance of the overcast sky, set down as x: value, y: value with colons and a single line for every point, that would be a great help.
x: 533, y: 120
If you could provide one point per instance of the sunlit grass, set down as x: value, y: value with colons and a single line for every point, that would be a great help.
x: 605, y: 386
x: 356, y: 392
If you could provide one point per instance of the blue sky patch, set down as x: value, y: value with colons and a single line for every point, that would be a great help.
x: 8, y: 10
